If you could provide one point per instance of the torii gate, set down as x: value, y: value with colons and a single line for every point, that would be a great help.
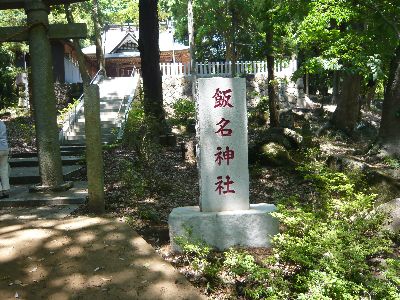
x: 39, y: 32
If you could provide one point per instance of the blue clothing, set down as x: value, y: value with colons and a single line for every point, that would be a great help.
x: 3, y: 136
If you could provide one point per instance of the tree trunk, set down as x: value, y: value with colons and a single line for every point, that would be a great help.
x: 335, y: 87
x: 233, y: 12
x: 307, y: 84
x: 192, y: 46
x: 150, y: 63
x: 389, y: 132
x: 101, y: 63
x: 272, y: 94
x: 346, y: 114
x: 81, y: 57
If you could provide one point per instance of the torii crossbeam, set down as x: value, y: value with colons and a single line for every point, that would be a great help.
x: 38, y: 33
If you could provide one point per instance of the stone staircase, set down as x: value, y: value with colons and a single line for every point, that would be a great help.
x: 25, y: 166
x: 114, y: 98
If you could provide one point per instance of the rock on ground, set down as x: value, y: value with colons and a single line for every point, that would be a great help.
x: 392, y: 208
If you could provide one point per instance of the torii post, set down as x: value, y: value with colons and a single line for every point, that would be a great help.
x: 39, y: 32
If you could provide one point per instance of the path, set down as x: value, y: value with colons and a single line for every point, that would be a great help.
x: 47, y: 254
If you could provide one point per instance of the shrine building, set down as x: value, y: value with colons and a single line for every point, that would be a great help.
x: 120, y: 44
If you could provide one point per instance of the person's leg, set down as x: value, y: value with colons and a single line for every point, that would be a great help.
x: 4, y: 176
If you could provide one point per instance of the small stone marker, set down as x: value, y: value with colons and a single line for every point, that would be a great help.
x: 222, y: 144
x: 94, y: 153
x: 224, y: 218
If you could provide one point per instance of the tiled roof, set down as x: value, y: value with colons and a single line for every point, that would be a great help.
x: 115, y: 36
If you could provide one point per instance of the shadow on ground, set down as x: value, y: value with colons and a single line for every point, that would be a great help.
x: 82, y: 258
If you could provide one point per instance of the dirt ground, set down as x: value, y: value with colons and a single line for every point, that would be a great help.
x: 82, y: 258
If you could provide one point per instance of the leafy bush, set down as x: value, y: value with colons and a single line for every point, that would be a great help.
x: 392, y: 162
x: 184, y: 112
x: 138, y: 133
x: 200, y: 257
x: 332, y: 238
x: 142, y: 175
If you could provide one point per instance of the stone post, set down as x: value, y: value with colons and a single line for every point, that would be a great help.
x: 94, y: 155
x: 44, y: 99
x: 225, y: 217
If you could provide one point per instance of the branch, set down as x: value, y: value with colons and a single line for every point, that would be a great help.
x: 80, y: 56
x: 385, y: 19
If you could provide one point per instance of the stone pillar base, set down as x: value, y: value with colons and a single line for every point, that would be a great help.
x: 221, y: 230
x: 65, y: 186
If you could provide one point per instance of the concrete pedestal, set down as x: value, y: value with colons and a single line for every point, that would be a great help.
x: 248, y: 228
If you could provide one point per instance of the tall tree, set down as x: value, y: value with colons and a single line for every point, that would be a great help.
x: 389, y: 132
x: 272, y: 93
x: 97, y: 35
x: 387, y: 16
x: 334, y: 32
x: 224, y: 29
x: 150, y: 60
x: 276, y: 28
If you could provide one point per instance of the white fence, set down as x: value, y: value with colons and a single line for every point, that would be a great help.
x: 282, y: 68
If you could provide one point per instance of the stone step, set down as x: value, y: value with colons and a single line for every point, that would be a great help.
x: 103, y: 124
x: 20, y: 197
x: 104, y: 110
x: 81, y: 137
x: 76, y: 148
x: 107, y: 116
x: 29, y: 175
x: 70, y: 150
x: 81, y: 130
x: 106, y: 104
x: 33, y: 161
x: 82, y: 141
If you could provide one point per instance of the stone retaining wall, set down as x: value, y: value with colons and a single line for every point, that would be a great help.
x: 177, y: 87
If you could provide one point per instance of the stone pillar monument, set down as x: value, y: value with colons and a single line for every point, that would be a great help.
x: 42, y: 88
x: 224, y: 218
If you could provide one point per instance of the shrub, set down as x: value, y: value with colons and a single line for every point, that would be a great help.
x: 184, y: 112
x: 332, y: 238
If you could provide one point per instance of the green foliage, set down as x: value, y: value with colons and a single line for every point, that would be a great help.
x: 133, y: 179
x: 148, y: 214
x: 142, y: 175
x: 8, y: 93
x: 332, y: 237
x: 63, y: 113
x: 219, y: 24
x: 184, y: 112
x: 392, y: 162
x: 258, y: 115
x: 200, y: 257
x: 138, y: 133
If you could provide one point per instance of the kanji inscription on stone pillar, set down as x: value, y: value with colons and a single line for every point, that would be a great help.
x: 222, y: 144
